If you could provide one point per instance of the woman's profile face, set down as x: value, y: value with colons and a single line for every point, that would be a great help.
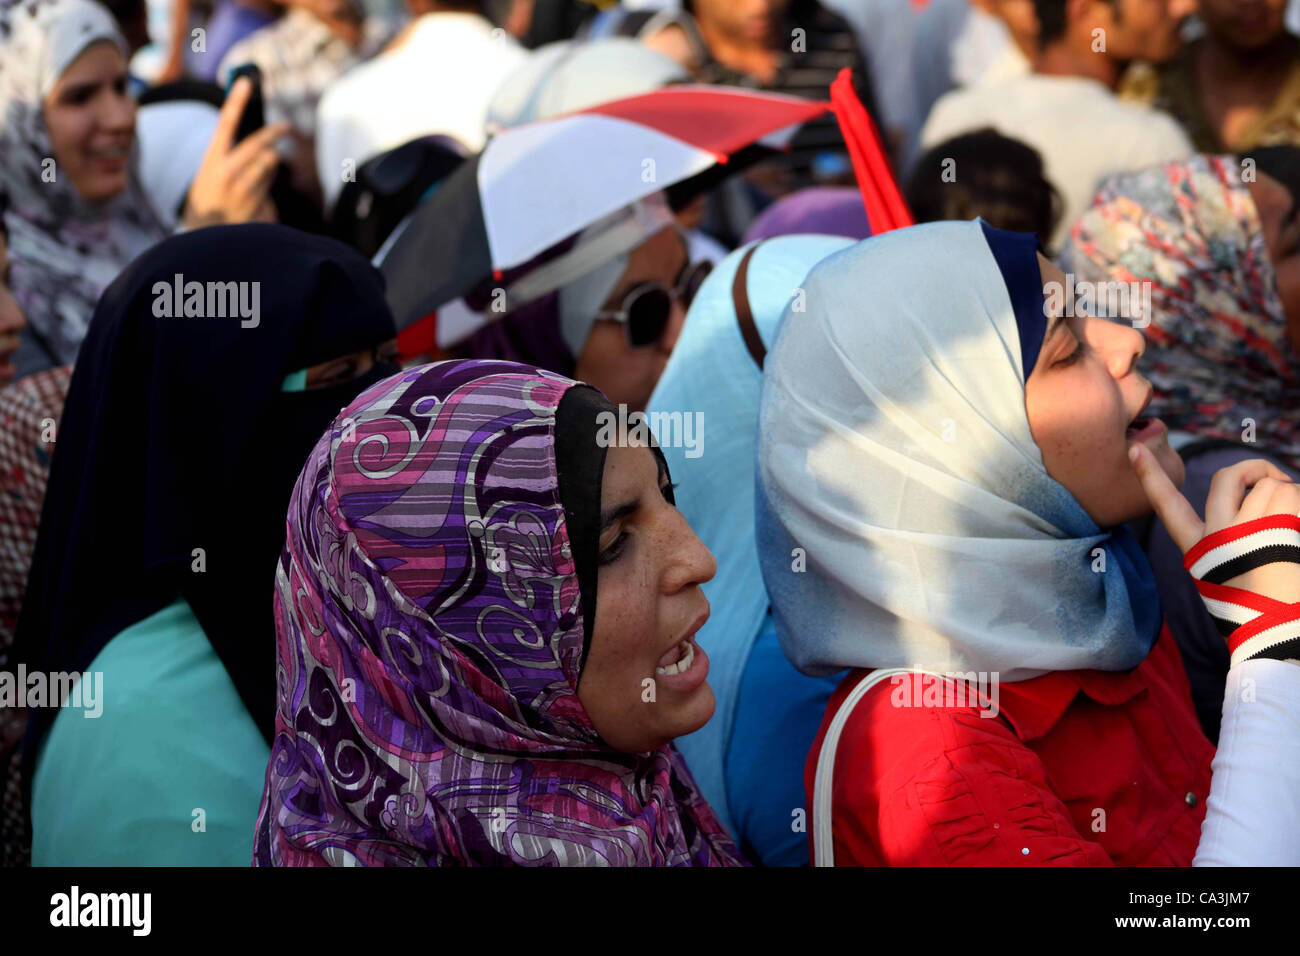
x: 1085, y: 402
x: 91, y: 122
x: 625, y: 374
x: 644, y: 682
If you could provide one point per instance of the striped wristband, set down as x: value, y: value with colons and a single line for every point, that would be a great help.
x: 1253, y: 625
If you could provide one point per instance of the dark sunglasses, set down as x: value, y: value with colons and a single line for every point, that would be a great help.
x: 648, y: 305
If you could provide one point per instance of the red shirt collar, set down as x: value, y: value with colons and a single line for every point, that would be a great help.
x: 1033, y: 707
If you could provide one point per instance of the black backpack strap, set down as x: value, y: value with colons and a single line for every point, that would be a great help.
x: 745, y: 315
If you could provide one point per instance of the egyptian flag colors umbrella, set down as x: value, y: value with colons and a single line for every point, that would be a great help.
x: 535, y: 185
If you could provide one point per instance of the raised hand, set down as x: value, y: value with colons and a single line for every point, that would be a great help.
x: 1239, y: 495
x: 233, y: 183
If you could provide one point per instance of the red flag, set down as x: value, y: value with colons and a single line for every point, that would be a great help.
x: 419, y: 339
x: 886, y: 209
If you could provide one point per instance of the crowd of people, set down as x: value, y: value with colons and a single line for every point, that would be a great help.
x: 965, y: 530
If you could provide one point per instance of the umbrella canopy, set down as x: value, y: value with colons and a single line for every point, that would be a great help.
x: 535, y: 185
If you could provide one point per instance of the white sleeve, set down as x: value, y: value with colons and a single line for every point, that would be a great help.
x: 1253, y: 813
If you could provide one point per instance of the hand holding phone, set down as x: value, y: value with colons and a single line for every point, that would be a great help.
x: 234, y: 180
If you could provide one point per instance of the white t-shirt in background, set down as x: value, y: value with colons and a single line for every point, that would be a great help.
x: 439, y: 80
x: 1083, y: 131
x: 954, y: 45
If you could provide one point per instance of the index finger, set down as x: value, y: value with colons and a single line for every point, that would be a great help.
x: 223, y: 134
x: 1178, y: 516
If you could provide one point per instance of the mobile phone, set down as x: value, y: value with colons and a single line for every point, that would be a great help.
x: 254, y: 117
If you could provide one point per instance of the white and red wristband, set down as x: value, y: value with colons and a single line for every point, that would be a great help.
x: 1253, y: 625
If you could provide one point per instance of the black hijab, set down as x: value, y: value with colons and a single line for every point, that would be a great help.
x: 580, y: 468
x: 177, y: 436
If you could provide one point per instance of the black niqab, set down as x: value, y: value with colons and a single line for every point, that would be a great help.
x: 178, y: 450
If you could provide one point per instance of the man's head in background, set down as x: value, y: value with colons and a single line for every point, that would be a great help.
x: 1119, y: 30
x: 1244, y: 25
x: 742, y: 22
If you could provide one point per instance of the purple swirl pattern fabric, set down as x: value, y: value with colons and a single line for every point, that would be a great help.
x: 429, y: 636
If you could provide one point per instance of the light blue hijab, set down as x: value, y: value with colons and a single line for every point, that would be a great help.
x: 904, y: 515
x: 712, y: 372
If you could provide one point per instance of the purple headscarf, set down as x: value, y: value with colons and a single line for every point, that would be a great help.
x: 430, y: 633
x: 529, y: 335
x: 823, y: 210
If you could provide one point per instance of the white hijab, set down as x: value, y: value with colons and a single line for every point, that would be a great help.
x: 895, y: 452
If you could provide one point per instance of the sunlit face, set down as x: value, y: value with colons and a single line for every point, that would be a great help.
x: 12, y: 319
x: 91, y: 122
x: 1140, y: 29
x: 1085, y: 401
x: 1279, y: 218
x: 649, y: 606
x: 743, y: 21
x: 1244, y: 24
x: 608, y: 361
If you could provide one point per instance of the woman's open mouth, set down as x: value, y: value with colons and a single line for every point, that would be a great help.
x: 678, y: 660
x: 110, y: 159
x: 1143, y: 427
x: 685, y: 667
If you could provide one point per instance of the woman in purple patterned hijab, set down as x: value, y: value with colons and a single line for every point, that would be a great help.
x: 449, y: 691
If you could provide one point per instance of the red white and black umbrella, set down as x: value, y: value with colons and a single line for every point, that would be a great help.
x: 534, y: 186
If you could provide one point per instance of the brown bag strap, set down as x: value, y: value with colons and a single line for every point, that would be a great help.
x: 744, y: 316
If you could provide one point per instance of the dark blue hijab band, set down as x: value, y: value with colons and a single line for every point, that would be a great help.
x: 1016, y: 254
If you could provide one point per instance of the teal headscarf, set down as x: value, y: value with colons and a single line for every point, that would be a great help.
x: 712, y: 372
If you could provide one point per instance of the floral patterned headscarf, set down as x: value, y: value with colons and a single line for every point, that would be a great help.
x: 430, y: 637
x: 1218, y: 353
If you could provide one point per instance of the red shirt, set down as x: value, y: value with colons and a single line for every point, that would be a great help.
x: 1079, y: 768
